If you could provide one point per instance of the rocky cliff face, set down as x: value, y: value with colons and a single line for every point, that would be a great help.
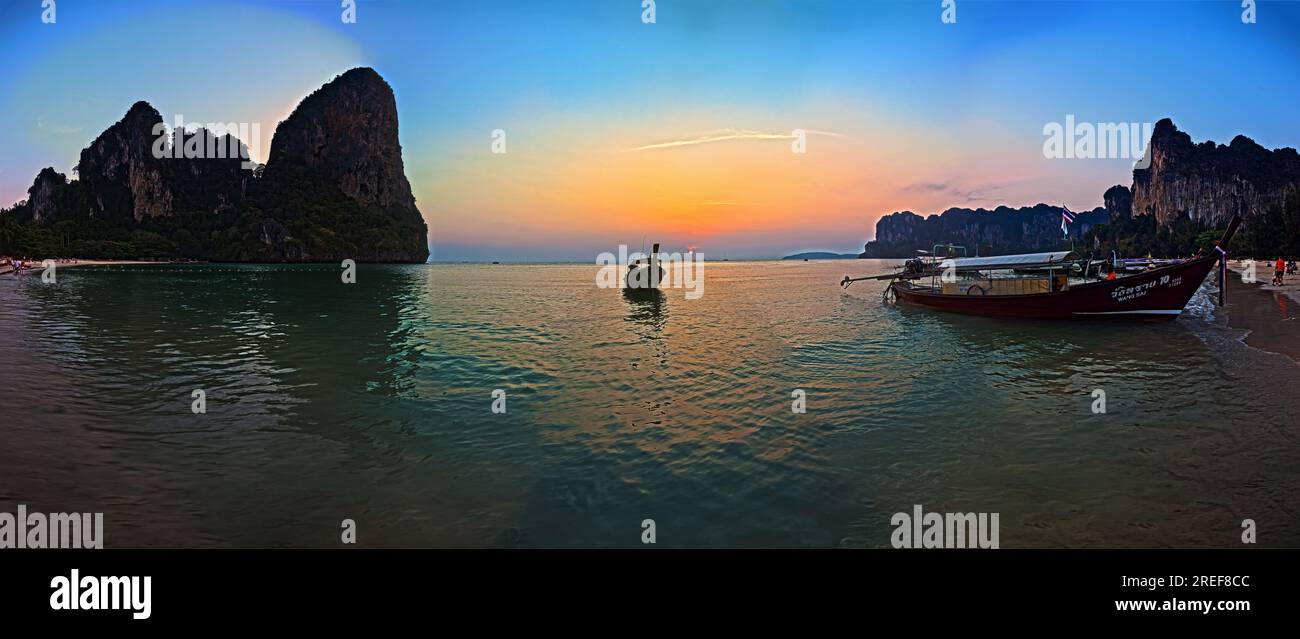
x: 122, y: 174
x: 1211, y: 182
x: 119, y: 172
x: 346, y: 133
x: 46, y: 194
x: 1207, y: 182
x: 208, y: 183
x: 999, y: 231
x: 344, y: 138
x: 1118, y: 201
x: 334, y: 187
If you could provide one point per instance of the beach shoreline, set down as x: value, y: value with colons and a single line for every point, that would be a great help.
x: 1267, y: 313
x: 1264, y: 277
x: 36, y: 265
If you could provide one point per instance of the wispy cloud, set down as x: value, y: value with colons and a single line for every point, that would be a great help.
x: 928, y: 187
x: 985, y: 192
x: 724, y: 135
x: 56, y: 129
x: 969, y: 194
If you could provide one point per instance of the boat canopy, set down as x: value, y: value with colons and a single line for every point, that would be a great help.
x: 1026, y: 260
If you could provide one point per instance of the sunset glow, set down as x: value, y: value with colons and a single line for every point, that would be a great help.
x: 680, y: 131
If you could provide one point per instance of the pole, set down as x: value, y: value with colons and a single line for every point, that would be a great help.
x: 1223, y: 275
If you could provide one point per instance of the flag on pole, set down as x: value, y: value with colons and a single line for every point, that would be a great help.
x: 1067, y: 216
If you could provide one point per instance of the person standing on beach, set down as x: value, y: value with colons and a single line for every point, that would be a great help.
x: 1279, y: 269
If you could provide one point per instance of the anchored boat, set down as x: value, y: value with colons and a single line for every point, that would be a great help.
x: 645, y: 274
x: 1056, y: 285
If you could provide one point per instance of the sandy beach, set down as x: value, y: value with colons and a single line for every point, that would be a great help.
x: 34, y: 266
x: 1264, y: 277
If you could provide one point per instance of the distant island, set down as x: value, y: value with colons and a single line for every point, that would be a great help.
x: 821, y: 255
x: 1174, y: 207
x: 333, y: 188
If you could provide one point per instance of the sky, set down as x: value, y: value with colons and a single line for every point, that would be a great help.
x: 682, y: 130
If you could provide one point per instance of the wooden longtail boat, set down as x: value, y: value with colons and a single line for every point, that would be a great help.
x: 645, y: 274
x: 1052, y: 285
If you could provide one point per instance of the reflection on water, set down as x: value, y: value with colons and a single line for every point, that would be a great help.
x: 373, y: 402
x: 645, y: 306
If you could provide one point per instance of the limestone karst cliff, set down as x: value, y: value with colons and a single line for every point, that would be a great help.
x: 1211, y: 182
x: 1200, y: 186
x: 334, y: 187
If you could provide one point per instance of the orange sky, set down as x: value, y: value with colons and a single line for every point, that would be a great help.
x: 728, y: 185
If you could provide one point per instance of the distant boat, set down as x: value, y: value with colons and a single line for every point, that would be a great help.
x: 645, y: 273
x: 1052, y: 285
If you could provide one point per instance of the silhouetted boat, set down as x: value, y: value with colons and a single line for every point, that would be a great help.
x: 645, y: 273
x: 1052, y: 285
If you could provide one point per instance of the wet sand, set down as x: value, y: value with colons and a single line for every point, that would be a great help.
x: 1264, y: 278
x: 1270, y: 314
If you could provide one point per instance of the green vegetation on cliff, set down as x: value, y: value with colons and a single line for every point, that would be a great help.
x: 1266, y: 235
x: 334, y: 188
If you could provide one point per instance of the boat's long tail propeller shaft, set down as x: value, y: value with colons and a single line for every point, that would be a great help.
x: 849, y: 280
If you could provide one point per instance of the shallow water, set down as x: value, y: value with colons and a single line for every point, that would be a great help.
x: 373, y: 401
x: 1270, y: 318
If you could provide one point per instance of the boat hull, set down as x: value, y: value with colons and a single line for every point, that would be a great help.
x: 1158, y: 294
x: 640, y: 278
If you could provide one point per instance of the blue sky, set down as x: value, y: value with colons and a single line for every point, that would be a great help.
x: 910, y: 100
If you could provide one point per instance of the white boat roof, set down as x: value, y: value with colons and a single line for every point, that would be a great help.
x: 1011, y: 261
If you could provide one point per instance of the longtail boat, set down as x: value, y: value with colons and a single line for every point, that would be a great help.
x: 645, y: 274
x: 1057, y: 285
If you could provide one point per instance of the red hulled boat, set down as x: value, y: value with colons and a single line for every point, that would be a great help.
x: 1053, y: 285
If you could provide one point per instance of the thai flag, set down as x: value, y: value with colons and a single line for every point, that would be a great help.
x: 1067, y: 216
